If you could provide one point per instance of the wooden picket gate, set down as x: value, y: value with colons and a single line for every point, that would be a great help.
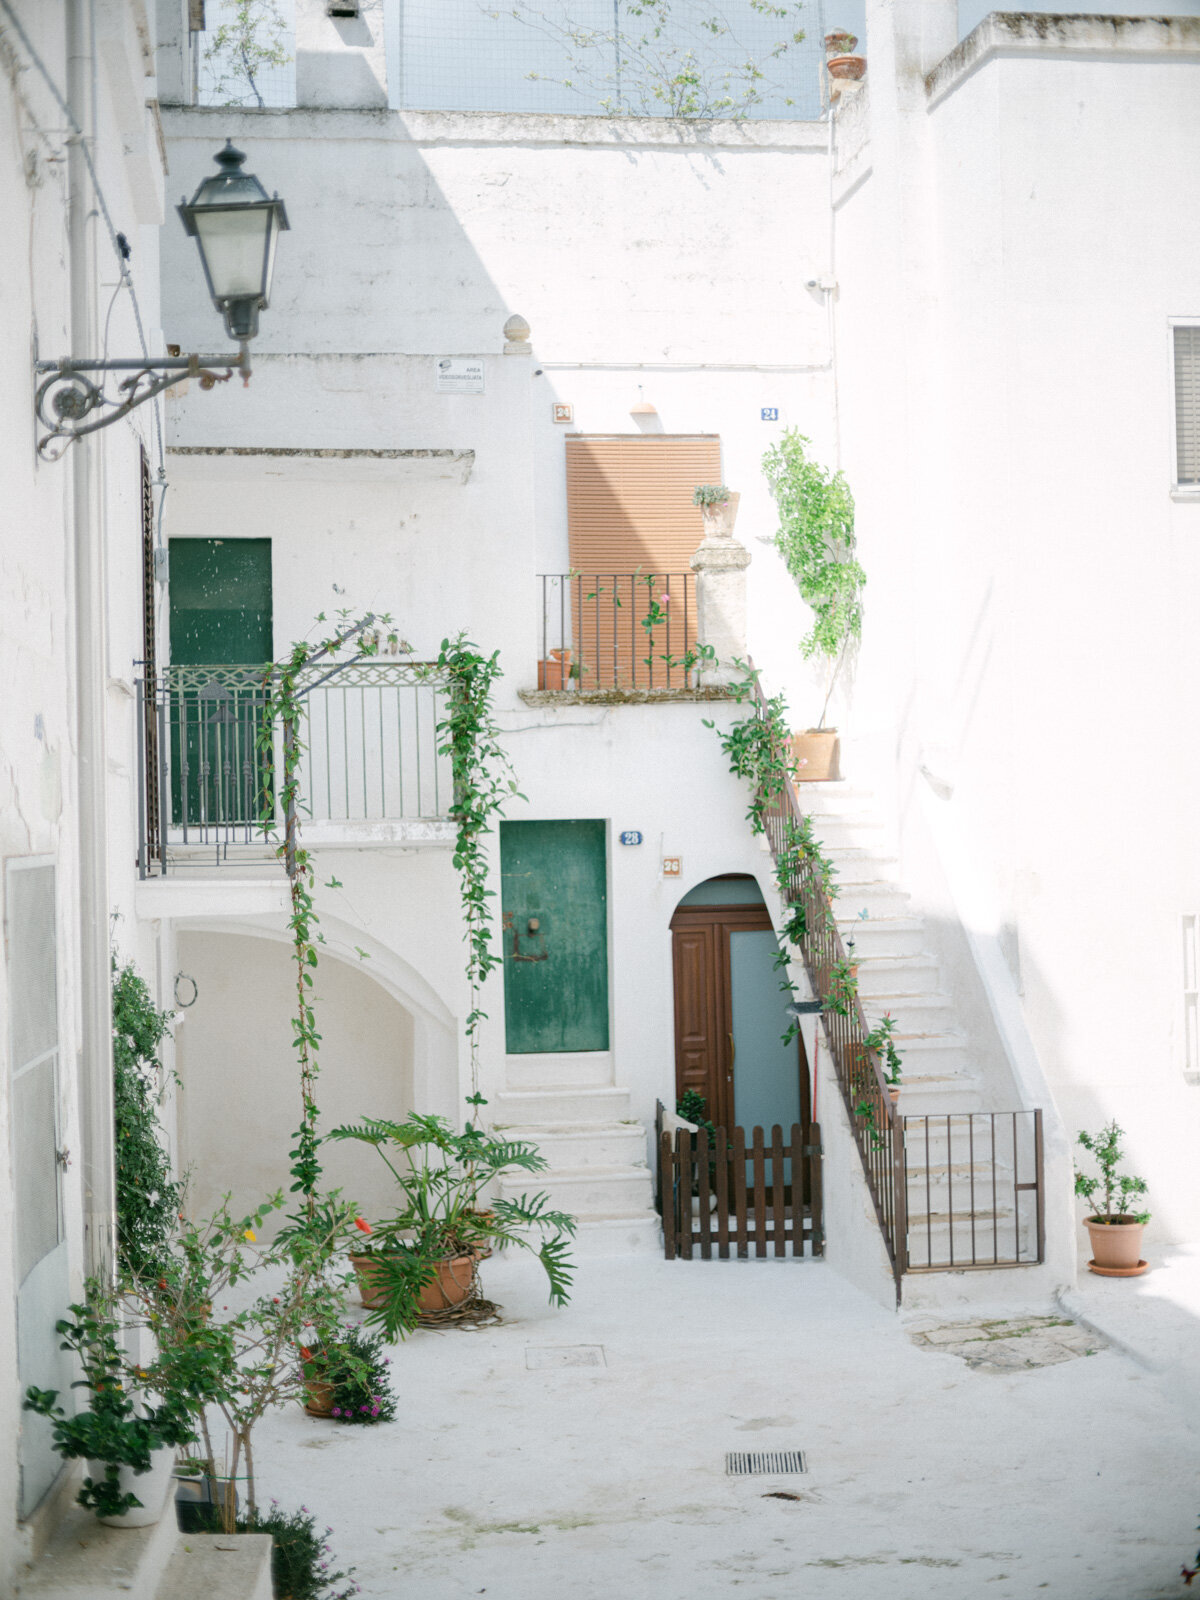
x: 746, y: 1197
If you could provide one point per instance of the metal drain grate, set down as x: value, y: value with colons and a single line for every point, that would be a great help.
x: 763, y: 1463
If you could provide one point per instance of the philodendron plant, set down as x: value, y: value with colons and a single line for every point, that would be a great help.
x: 441, y: 1177
x: 1118, y: 1191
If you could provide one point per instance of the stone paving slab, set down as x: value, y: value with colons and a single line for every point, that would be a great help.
x: 1013, y: 1344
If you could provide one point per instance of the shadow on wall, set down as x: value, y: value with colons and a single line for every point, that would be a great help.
x: 240, y: 1102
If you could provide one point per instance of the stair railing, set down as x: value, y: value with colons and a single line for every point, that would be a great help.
x: 877, y: 1124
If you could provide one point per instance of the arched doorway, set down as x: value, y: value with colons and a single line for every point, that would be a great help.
x: 730, y: 1012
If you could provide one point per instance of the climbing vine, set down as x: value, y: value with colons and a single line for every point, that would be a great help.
x: 483, y: 782
x: 148, y: 1198
x: 758, y: 748
x: 282, y: 696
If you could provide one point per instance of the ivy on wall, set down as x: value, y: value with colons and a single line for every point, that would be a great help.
x: 148, y: 1198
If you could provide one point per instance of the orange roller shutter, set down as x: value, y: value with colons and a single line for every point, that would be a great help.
x: 630, y: 511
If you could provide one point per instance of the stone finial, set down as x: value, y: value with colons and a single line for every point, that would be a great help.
x: 516, y: 337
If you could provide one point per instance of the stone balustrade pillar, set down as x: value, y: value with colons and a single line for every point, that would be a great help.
x: 720, y: 564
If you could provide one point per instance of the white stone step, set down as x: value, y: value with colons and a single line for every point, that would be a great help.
x: 639, y: 1233
x: 856, y: 829
x: 884, y: 936
x: 833, y: 798
x: 586, y: 1191
x: 83, y: 1560
x: 896, y: 975
x: 917, y: 1015
x: 878, y: 897
x: 574, y: 1069
x: 855, y: 865
x: 526, y: 1107
x: 930, y: 1093
x: 218, y: 1567
x: 602, y: 1144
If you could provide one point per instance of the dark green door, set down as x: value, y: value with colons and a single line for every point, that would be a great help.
x: 220, y: 602
x: 220, y: 611
x: 554, y: 898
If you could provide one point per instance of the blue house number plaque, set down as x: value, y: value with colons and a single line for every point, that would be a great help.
x: 770, y: 413
x: 632, y: 837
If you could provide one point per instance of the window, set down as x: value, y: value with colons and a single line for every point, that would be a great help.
x: 1187, y: 406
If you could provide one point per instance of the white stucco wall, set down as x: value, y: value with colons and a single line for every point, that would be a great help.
x: 1032, y: 581
x: 239, y: 1095
x: 39, y: 728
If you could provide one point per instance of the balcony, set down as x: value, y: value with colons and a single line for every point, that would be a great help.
x: 632, y: 634
x: 370, y: 772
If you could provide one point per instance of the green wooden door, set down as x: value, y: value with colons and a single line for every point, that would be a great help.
x: 554, y: 899
x: 220, y: 616
x: 220, y: 595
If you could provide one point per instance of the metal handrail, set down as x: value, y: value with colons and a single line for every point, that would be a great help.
x: 878, y: 1127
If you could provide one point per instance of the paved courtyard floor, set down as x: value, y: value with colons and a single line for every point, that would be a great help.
x: 582, y: 1453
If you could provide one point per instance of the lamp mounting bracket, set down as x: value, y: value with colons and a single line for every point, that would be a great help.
x: 67, y: 397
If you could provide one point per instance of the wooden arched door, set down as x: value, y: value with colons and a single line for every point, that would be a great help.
x: 729, y: 1018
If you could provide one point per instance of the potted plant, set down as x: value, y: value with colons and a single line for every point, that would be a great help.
x: 1115, y: 1229
x: 425, y: 1257
x: 132, y: 1424
x: 816, y: 540
x: 718, y: 507
x: 840, y: 59
x: 555, y: 671
x: 346, y: 1378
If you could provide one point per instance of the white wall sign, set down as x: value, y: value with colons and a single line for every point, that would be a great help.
x: 459, y: 374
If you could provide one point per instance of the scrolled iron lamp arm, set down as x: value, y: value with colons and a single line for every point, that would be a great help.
x: 235, y: 224
x: 66, y: 397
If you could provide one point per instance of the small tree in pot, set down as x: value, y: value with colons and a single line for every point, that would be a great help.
x: 816, y: 540
x: 1115, y: 1227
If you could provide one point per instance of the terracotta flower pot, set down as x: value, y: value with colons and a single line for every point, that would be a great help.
x: 320, y: 1398
x: 556, y: 672
x: 847, y: 69
x: 839, y: 42
x: 815, y: 754
x: 1116, y: 1247
x: 451, y: 1286
x: 370, y: 1291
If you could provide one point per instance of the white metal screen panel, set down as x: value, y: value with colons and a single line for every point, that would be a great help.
x: 1187, y: 405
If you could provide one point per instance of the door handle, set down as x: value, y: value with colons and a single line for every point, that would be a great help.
x: 732, y: 1056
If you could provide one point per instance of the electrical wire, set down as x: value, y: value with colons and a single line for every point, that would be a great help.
x: 76, y: 132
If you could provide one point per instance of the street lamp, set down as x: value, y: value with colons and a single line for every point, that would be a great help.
x: 235, y: 224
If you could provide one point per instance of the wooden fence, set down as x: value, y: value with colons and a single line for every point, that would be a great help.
x: 720, y: 1197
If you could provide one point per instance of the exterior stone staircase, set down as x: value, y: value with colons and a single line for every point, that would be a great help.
x: 580, y: 1121
x: 949, y: 1165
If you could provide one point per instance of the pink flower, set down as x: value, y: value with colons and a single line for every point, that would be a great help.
x: 361, y: 1225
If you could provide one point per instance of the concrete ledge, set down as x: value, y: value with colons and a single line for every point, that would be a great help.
x: 173, y: 897
x: 83, y: 1560
x: 219, y: 1566
x: 621, y: 697
x: 491, y: 127
x: 1029, y: 33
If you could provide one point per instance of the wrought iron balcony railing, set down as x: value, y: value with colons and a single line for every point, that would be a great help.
x: 622, y: 630
x: 370, y: 756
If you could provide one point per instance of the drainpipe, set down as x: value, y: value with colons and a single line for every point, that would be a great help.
x: 88, y: 539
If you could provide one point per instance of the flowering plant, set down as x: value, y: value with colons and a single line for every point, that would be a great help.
x: 353, y: 1363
